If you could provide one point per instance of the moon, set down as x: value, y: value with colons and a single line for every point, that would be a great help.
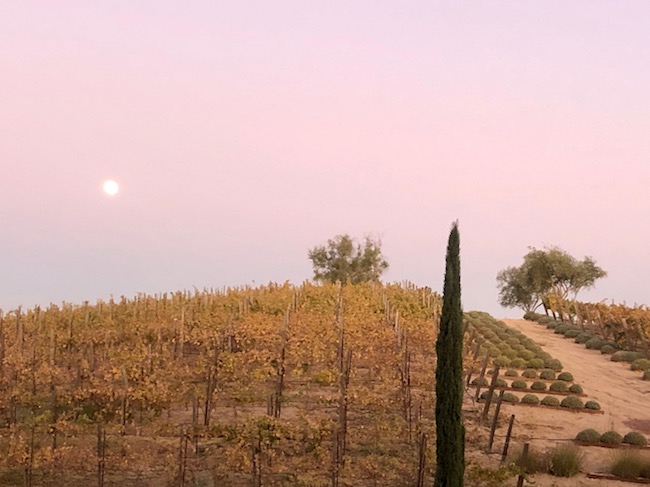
x: 111, y: 188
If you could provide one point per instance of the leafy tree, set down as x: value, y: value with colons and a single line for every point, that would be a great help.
x: 450, y: 432
x: 344, y: 260
x: 547, y: 272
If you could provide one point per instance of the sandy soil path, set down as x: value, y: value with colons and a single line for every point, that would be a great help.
x: 623, y: 396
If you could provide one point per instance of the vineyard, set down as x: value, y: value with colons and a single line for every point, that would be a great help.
x: 275, y: 385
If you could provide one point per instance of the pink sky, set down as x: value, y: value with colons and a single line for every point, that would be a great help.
x: 244, y: 133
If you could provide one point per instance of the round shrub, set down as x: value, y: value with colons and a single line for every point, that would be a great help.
x: 542, y: 320
x: 527, y: 354
x: 590, y: 435
x: 626, y: 356
x: 519, y: 348
x: 575, y: 389
x: 535, y: 363
x: 484, y: 395
x: 551, y: 325
x: 640, y: 364
x: 611, y: 438
x: 500, y: 383
x: 511, y: 353
x: 572, y: 402
x: 518, y: 362
x: 635, y: 438
x: 512, y: 342
x: 594, y: 343
x: 593, y: 405
x: 509, y: 397
x: 572, y: 333
x: 646, y: 374
x: 547, y: 374
x: 538, y: 385
x: 502, y: 361
x: 543, y: 355
x: 565, y: 376
x: 482, y: 381
x: 511, y: 373
x: 559, y: 387
x: 519, y: 384
x: 553, y: 364
x: 529, y: 374
x: 530, y: 399
x: 583, y: 337
x: 531, y: 316
x: 550, y: 401
x: 607, y: 349
x: 560, y: 329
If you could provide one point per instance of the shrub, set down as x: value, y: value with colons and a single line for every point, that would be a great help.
x: 560, y: 329
x: 627, y: 464
x: 607, y: 349
x: 518, y: 362
x: 511, y: 373
x: 529, y: 374
x: 511, y: 353
x: 575, y: 389
x: 532, y: 463
x: 519, y: 384
x: 512, y: 342
x: 547, y: 374
x: 565, y: 461
x: 572, y: 402
x: 542, y: 320
x: 590, y: 435
x: 493, y: 351
x: 583, y: 337
x: 635, y: 438
x: 531, y: 316
x: 565, y: 376
x: 640, y: 364
x: 559, y: 387
x: 593, y: 405
x: 484, y: 395
x: 646, y: 374
x: 479, y: 381
x: 530, y: 399
x: 538, y: 385
x: 535, y: 363
x: 527, y: 354
x: 626, y: 356
x: 553, y: 364
x: 502, y: 361
x: 611, y: 438
x: 572, y: 333
x: 509, y: 397
x: 500, y: 383
x: 550, y: 401
x: 551, y: 325
x: 594, y: 343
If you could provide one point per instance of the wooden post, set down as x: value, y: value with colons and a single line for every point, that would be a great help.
x: 480, y: 377
x: 506, y: 445
x: 488, y: 400
x: 494, y: 420
x: 520, y: 480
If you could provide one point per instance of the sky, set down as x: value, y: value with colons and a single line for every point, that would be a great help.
x: 244, y: 133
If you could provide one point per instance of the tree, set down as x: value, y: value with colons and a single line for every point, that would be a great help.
x: 450, y: 432
x: 346, y: 261
x: 547, y: 272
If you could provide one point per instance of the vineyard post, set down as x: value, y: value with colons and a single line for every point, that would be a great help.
x: 506, y: 445
x: 524, y: 459
x: 182, y: 463
x: 101, y: 454
x: 488, y: 399
x: 422, y: 458
x: 481, y: 375
x: 494, y: 420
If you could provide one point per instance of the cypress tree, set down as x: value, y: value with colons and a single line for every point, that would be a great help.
x: 450, y: 432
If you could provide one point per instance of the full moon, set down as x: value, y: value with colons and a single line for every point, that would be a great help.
x: 111, y: 187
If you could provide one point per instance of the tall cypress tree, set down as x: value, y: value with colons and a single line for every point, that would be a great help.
x: 450, y: 432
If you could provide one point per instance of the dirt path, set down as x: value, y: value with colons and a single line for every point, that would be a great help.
x: 623, y: 396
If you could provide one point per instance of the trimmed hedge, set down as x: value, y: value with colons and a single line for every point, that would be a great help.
x: 590, y: 435
x: 584, y: 337
x: 576, y: 389
x: 640, y: 364
x: 530, y: 399
x: 594, y: 343
x: 559, y: 387
x: 509, y: 397
x: 529, y: 374
x: 635, y: 438
x: 547, y: 374
x: 626, y: 356
x: 611, y: 438
x: 518, y: 363
x: 538, y: 385
x: 593, y: 405
x: 607, y: 349
x: 553, y: 364
x: 519, y: 384
x: 550, y: 401
x: 511, y: 373
x: 565, y: 376
x: 572, y: 402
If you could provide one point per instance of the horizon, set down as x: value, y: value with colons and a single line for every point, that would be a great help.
x: 242, y: 135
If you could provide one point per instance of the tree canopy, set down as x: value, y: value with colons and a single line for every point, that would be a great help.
x: 550, y: 271
x: 345, y: 260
